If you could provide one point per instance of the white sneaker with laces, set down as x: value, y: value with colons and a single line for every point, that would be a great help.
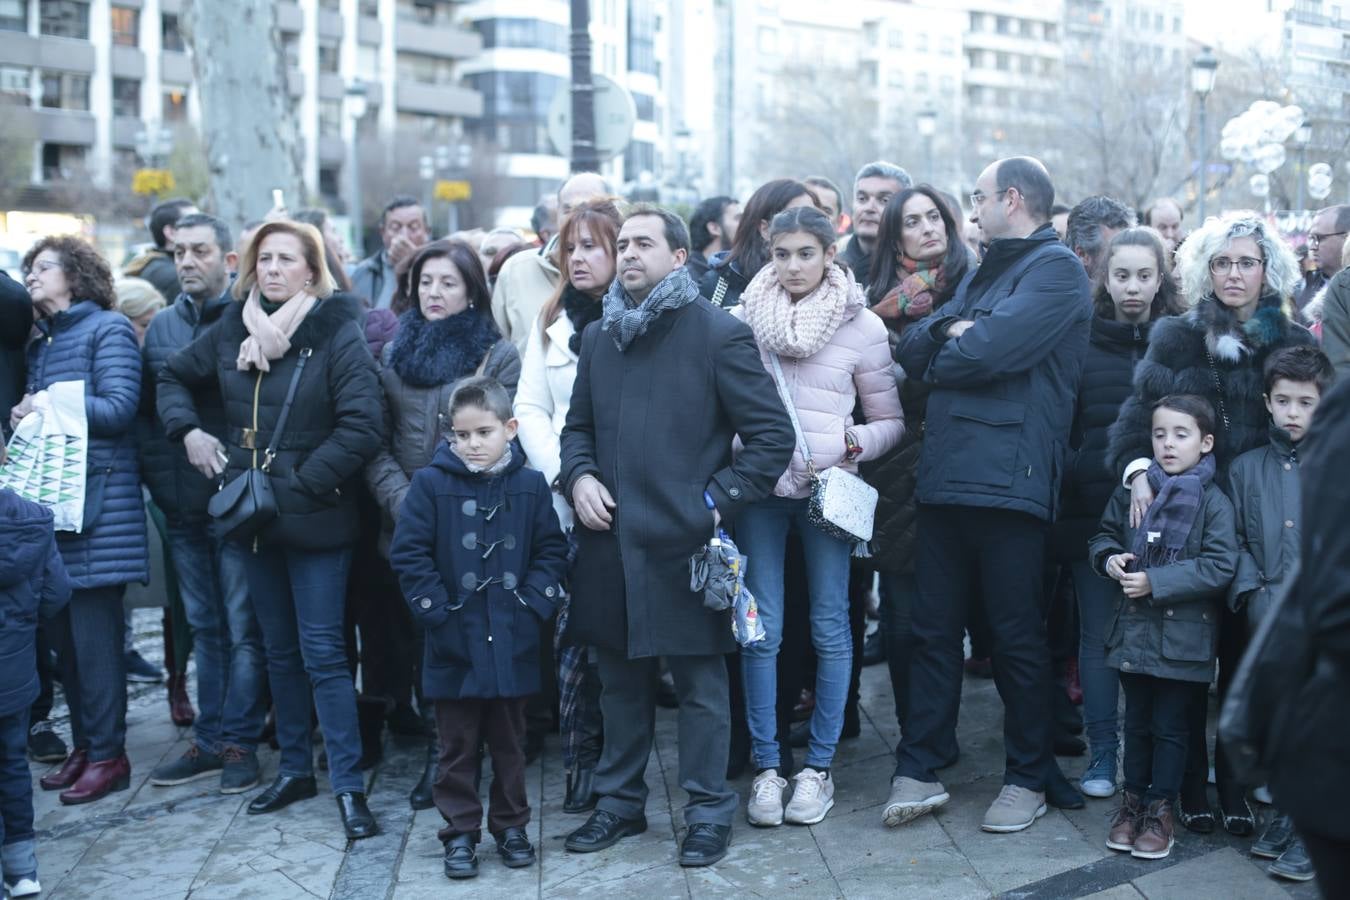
x: 812, y: 797
x: 765, y: 808
x: 24, y: 887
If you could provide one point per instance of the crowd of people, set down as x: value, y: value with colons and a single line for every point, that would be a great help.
x: 453, y: 490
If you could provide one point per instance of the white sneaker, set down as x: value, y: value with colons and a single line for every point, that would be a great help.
x: 1015, y: 809
x: 766, y: 799
x: 911, y: 798
x: 24, y: 887
x: 812, y: 797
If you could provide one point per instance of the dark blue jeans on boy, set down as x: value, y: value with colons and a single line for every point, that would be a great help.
x: 1156, y: 734
x: 18, y: 846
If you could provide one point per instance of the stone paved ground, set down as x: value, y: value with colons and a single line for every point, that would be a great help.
x: 188, y: 841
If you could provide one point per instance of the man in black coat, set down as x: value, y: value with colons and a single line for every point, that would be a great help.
x: 664, y: 383
x: 1003, y: 358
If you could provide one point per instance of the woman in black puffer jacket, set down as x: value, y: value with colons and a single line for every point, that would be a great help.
x: 1134, y: 290
x: 297, y: 566
x: 1238, y: 274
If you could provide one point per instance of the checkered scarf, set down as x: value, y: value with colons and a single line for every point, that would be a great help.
x: 625, y: 320
x: 1161, y: 538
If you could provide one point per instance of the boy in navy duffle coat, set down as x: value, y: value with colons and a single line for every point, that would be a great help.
x: 480, y: 557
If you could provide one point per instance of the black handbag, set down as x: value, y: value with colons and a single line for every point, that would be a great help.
x: 245, y: 505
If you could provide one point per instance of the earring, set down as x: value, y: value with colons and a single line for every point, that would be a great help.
x: 308, y: 281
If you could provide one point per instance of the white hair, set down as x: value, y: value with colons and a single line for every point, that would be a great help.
x: 1192, y: 263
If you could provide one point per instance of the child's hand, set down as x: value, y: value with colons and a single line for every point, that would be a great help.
x: 1135, y: 585
x: 1115, y: 564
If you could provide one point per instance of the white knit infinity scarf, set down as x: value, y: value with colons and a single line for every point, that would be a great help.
x: 799, y: 329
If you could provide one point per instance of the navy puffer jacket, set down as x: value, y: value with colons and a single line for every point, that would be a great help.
x: 97, y: 346
x: 33, y: 582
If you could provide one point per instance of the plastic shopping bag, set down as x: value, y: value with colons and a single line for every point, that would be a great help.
x: 48, y: 454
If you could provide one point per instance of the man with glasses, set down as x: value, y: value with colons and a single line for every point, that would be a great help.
x: 1003, y: 359
x: 1326, y: 240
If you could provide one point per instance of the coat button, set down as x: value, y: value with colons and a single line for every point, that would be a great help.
x: 489, y: 638
x: 1204, y: 616
x: 548, y: 591
x: 735, y: 493
x: 1287, y: 467
x: 1126, y: 665
x: 1288, y: 523
x: 1169, y: 612
x: 426, y: 603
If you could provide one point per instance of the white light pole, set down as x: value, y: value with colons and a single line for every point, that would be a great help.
x: 927, y: 122
x: 1203, y: 68
x: 357, y: 104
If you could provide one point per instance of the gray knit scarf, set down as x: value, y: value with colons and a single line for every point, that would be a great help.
x: 626, y: 320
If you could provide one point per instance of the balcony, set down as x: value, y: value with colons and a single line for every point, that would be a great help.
x: 438, y: 99
x: 57, y: 126
x: 66, y: 54
x: 127, y: 62
x: 438, y: 40
x: 175, y: 68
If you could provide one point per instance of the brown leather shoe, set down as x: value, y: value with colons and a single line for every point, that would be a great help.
x: 68, y: 774
x: 1125, y: 823
x: 99, y: 780
x: 1154, y: 839
x: 180, y: 707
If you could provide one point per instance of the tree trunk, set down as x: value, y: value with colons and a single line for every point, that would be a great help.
x: 252, y: 145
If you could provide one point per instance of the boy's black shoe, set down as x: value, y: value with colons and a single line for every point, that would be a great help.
x: 1194, y: 809
x: 461, y: 859
x: 44, y: 744
x: 1238, y: 818
x: 704, y: 844
x: 515, y: 848
x: 603, y: 829
x: 1294, y: 863
x: 1277, y: 837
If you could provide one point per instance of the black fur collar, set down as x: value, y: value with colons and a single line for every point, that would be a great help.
x: 430, y: 354
x: 1230, y: 340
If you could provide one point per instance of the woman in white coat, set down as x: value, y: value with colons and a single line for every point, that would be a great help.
x: 586, y: 256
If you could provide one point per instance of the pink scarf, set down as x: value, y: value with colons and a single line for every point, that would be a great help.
x: 799, y: 329
x: 269, y: 337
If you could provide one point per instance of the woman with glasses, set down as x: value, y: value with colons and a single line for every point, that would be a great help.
x: 1237, y: 275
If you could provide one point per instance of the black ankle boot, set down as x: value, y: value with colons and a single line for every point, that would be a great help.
x: 421, y: 797
x: 580, y: 791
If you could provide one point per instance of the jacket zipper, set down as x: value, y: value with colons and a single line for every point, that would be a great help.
x: 257, y: 389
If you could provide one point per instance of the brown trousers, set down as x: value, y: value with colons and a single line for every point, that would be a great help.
x: 462, y: 726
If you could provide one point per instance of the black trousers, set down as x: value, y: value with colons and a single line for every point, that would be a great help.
x: 461, y: 727
x: 47, y: 671
x: 962, y: 550
x: 1155, y: 733
x: 1233, y: 637
x: 1331, y: 861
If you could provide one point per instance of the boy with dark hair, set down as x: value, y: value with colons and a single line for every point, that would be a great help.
x: 480, y: 557
x: 1265, y: 492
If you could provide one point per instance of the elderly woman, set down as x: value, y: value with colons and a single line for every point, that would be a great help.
x: 445, y: 333
x: 292, y: 345
x: 83, y: 339
x: 1237, y: 275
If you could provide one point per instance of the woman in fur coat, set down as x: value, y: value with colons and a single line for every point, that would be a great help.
x: 1237, y: 274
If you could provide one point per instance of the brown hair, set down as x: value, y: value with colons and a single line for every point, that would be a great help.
x: 87, y: 272
x: 1167, y: 300
x: 602, y: 218
x: 312, y: 245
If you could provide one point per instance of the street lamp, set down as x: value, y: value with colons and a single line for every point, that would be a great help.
x: 1302, y: 138
x: 927, y: 121
x: 357, y: 103
x: 1202, y: 82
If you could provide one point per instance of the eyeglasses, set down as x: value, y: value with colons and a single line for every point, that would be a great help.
x: 1315, y: 240
x: 979, y: 196
x: 41, y: 267
x: 1222, y: 265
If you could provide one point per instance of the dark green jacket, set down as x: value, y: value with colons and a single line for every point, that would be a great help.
x: 1264, y: 486
x: 1173, y: 632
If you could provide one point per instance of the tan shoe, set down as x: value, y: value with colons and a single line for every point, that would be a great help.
x: 1154, y: 840
x: 1015, y: 809
x: 911, y: 798
x: 1125, y: 823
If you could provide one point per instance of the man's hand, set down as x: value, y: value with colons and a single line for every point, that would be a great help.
x: 956, y: 329
x: 204, y: 452
x: 1115, y: 564
x: 399, y: 248
x: 1141, y: 497
x: 21, y: 409
x: 593, y: 503
x: 1135, y: 585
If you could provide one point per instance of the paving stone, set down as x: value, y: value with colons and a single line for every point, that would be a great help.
x: 1119, y: 892
x: 940, y: 873
x: 860, y: 840
x: 765, y: 862
x: 1221, y: 875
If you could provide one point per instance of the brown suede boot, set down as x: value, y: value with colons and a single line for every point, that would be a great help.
x: 1125, y: 823
x: 1154, y: 838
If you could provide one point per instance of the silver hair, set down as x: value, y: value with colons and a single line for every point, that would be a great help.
x: 883, y: 169
x: 1207, y: 241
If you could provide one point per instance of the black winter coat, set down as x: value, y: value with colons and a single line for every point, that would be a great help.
x: 179, y: 490
x: 1265, y: 491
x: 722, y: 266
x: 1311, y: 764
x: 33, y: 582
x: 1176, y: 363
x: 1173, y: 632
x: 997, y: 428
x: 858, y: 260
x: 16, y: 321
x: 481, y: 560
x: 336, y: 423
x: 655, y: 424
x: 1108, y: 379
x: 896, y: 479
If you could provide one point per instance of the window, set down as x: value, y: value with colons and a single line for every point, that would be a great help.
x: 638, y: 158
x: 370, y: 8
x: 895, y: 39
x: 947, y: 45
x: 64, y: 18
x: 13, y: 15
x: 1003, y: 61
x: 126, y: 26
x: 330, y: 118
x: 334, y: 5
x: 529, y: 33
x: 425, y: 69
x: 330, y: 185
x: 1003, y: 25
x: 646, y: 106
x: 290, y: 46
x: 15, y: 84
x: 642, y: 37
x: 328, y: 59
x: 170, y: 39
x: 126, y: 97
x: 426, y: 126
x: 425, y: 12
x: 65, y: 90
x: 61, y: 161
x: 174, y: 105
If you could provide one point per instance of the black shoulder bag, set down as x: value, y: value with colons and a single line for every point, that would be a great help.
x: 244, y: 506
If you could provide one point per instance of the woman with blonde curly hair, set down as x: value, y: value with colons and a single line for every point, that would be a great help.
x: 1236, y: 275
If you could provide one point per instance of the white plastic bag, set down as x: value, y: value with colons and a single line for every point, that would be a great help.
x: 49, y: 452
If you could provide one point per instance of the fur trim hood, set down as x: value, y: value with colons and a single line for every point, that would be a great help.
x: 1230, y: 340
x: 1312, y: 312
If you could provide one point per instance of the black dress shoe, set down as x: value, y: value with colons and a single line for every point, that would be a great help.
x: 1194, y: 810
x: 1294, y: 863
x: 421, y: 797
x: 1275, y: 839
x: 461, y: 860
x: 603, y: 829
x: 1238, y: 818
x: 356, y: 818
x: 514, y: 848
x: 580, y: 791
x: 704, y: 844
x: 282, y: 792
x: 1060, y: 792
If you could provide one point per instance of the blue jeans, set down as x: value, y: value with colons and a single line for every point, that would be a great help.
x: 1097, y: 598
x: 225, y: 635
x: 18, y: 858
x: 299, y: 597
x: 761, y: 534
